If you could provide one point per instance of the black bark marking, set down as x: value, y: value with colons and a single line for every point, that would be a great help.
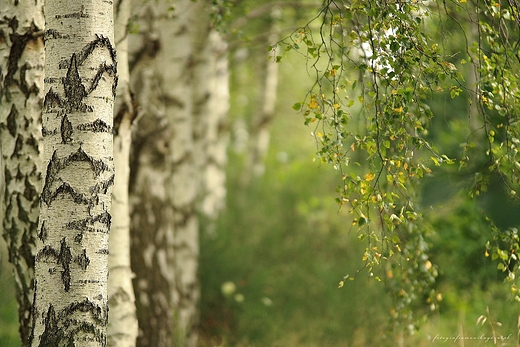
x: 29, y: 191
x: 103, y: 186
x: 104, y: 68
x: 46, y: 253
x: 34, y: 313
x: 96, y: 165
x: 23, y: 215
x: 66, y: 188
x: 101, y: 42
x: 78, y: 238
x: 74, y: 90
x: 66, y: 130
x: 18, y: 147
x: 65, y: 258
x: 52, y: 100
x: 11, y: 120
x: 82, y: 260
x: 125, y: 111
x: 98, y: 126
x: 2, y: 77
x: 62, y: 329
x: 47, y: 132
x: 19, y: 175
x: 32, y: 142
x: 54, y: 34
x: 18, y: 43
x: 76, y: 15
x: 43, y: 234
x: 151, y: 48
x: 119, y: 296
x: 52, y: 171
x: 83, y: 224
x: 24, y: 86
x: 57, y: 164
x: 7, y: 178
x: 52, y: 335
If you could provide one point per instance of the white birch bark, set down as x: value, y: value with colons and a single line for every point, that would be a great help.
x: 166, y: 176
x: 122, y: 320
x: 71, y: 263
x: 211, y: 97
x: 21, y: 94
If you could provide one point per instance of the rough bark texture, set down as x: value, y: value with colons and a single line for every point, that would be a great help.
x: 21, y: 94
x: 167, y: 168
x: 122, y: 320
x: 71, y: 263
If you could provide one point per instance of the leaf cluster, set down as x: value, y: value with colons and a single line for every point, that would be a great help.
x: 377, y: 66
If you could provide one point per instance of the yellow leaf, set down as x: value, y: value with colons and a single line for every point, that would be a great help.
x: 398, y: 110
x: 369, y: 176
x: 341, y: 283
x: 319, y: 134
x: 313, y: 104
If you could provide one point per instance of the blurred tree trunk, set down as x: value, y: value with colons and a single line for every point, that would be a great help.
x: 165, y: 178
x: 122, y: 321
x: 21, y: 95
x: 71, y: 263
x: 261, y: 122
x: 211, y: 97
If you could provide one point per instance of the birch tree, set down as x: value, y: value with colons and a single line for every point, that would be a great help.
x: 262, y: 119
x: 211, y: 98
x: 164, y: 223
x: 122, y: 322
x: 71, y: 263
x: 179, y: 75
x: 21, y: 94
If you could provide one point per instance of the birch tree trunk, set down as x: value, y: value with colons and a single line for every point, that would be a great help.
x: 71, y: 263
x: 260, y: 126
x: 211, y: 97
x: 122, y: 321
x: 21, y: 95
x: 167, y: 171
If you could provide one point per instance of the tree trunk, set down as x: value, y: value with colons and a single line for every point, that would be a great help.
x: 21, y: 94
x: 260, y: 125
x: 122, y: 321
x: 166, y: 172
x: 211, y: 98
x: 71, y: 264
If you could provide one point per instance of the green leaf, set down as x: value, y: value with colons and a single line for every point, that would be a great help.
x: 297, y: 106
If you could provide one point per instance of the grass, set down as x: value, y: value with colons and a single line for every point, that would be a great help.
x: 8, y: 307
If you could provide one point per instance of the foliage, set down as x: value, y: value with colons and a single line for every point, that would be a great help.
x: 384, y: 63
